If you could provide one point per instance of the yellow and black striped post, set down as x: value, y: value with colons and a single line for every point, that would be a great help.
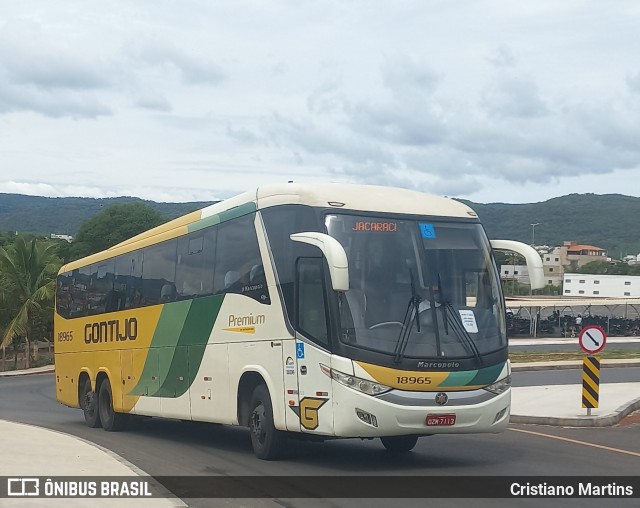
x: 590, y: 382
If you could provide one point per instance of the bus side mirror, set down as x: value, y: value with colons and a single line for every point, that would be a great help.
x: 334, y: 254
x: 533, y: 259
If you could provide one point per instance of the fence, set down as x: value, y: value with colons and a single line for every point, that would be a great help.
x: 13, y: 357
x: 564, y: 321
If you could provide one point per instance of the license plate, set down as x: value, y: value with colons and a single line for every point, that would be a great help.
x: 441, y: 420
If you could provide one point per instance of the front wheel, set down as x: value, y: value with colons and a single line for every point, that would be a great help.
x: 268, y: 442
x: 111, y: 421
x: 89, y: 405
x: 399, y: 444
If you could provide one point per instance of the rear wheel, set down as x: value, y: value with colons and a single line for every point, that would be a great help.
x: 111, y: 421
x: 89, y: 405
x: 268, y: 442
x: 399, y: 444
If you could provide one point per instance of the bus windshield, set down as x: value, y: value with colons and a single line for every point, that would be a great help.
x: 419, y: 288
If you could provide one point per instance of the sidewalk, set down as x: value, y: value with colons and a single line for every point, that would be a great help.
x: 30, y: 451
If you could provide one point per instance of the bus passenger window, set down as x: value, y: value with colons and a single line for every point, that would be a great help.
x: 158, y: 270
x: 238, y: 266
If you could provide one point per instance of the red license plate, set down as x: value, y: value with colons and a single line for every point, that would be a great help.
x: 441, y: 420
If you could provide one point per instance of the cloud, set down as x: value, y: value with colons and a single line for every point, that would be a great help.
x: 55, y: 104
x: 242, y: 134
x: 405, y: 74
x: 502, y: 57
x: 153, y: 102
x: 633, y: 81
x: 44, y: 76
x: 514, y: 96
x: 164, y: 56
x: 416, y: 136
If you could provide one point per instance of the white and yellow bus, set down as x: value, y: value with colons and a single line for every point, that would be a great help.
x: 316, y: 310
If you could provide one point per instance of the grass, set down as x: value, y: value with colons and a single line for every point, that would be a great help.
x: 552, y: 356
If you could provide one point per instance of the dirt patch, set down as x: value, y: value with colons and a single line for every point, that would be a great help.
x: 631, y: 419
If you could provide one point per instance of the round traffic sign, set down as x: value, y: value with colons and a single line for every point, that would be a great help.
x: 592, y: 339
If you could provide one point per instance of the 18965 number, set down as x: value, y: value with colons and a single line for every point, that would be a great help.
x: 413, y: 380
x: 65, y: 336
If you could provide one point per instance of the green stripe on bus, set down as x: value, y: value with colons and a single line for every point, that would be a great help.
x: 165, y: 338
x: 170, y: 364
x: 189, y: 349
x: 459, y: 378
x: 238, y: 211
x: 487, y: 376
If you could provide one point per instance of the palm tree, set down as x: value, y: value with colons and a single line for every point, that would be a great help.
x: 27, y: 283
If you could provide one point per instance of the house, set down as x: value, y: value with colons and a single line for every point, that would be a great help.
x: 556, y: 261
x: 570, y: 255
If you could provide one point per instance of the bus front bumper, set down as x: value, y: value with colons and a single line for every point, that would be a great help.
x: 357, y: 414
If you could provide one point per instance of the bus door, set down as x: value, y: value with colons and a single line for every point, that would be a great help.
x: 315, y: 408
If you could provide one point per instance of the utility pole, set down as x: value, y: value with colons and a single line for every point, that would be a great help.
x: 533, y: 233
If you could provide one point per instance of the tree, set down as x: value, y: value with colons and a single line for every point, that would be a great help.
x: 27, y: 285
x: 113, y: 225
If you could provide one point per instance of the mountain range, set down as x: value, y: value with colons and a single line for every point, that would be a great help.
x: 608, y: 221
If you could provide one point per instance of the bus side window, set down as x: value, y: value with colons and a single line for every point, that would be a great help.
x: 158, y: 270
x: 194, y: 264
x: 311, y: 313
x: 238, y: 266
x: 80, y: 286
x: 127, y: 286
x: 102, y: 284
x: 63, y: 295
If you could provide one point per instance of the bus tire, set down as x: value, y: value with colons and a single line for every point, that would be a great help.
x: 399, y: 444
x: 89, y: 405
x: 111, y: 421
x: 268, y: 442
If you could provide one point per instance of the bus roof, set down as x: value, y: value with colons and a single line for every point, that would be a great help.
x: 342, y: 196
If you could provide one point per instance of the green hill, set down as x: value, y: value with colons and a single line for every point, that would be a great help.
x: 607, y: 221
x: 40, y: 215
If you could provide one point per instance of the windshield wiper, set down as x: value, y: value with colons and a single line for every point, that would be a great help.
x: 413, y: 309
x: 449, y: 313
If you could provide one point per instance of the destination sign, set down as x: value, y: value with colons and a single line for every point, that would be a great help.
x: 377, y: 226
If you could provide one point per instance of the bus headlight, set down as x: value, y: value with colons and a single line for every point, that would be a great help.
x: 499, y: 386
x: 357, y: 383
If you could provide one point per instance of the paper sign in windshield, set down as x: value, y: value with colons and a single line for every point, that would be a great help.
x: 469, y: 321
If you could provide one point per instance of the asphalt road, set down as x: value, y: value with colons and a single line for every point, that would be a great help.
x: 166, y: 447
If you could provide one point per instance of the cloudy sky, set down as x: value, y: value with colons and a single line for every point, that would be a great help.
x: 493, y: 101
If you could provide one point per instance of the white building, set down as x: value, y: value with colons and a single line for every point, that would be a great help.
x: 519, y: 273
x: 599, y: 286
x: 632, y: 260
x: 68, y: 238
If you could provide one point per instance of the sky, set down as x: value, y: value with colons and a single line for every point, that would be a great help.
x: 486, y: 100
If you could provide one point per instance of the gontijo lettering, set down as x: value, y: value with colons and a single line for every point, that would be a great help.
x: 110, y: 331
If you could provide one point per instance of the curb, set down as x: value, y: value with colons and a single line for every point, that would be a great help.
x: 583, y: 421
x: 24, y: 372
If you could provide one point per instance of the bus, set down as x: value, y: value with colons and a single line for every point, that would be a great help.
x: 313, y: 311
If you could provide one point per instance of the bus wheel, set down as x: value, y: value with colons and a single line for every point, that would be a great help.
x: 89, y: 405
x: 111, y: 421
x: 399, y: 444
x: 267, y: 441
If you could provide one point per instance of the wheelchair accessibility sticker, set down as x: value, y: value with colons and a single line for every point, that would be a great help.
x: 300, y: 350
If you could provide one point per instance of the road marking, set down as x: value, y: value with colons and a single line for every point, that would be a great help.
x: 575, y: 441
